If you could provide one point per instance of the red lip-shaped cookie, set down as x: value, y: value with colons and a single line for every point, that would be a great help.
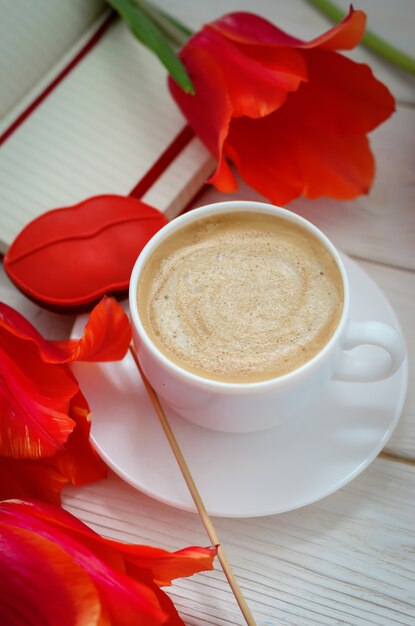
x: 68, y: 258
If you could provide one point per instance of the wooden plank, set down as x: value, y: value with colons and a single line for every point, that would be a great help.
x: 346, y: 559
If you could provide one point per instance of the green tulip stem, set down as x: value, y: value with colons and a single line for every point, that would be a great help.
x: 176, y: 32
x: 140, y: 17
x: 370, y: 40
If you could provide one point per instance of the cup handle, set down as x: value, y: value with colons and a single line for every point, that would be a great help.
x: 352, y: 368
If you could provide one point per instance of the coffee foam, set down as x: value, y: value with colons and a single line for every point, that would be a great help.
x: 241, y: 297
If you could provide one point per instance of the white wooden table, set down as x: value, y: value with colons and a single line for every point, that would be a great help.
x: 349, y: 558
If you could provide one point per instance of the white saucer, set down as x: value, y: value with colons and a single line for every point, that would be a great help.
x: 254, y: 474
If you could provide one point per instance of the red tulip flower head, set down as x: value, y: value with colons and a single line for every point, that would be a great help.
x: 56, y: 570
x: 292, y: 116
x: 44, y: 417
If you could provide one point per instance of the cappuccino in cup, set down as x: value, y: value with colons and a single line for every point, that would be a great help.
x: 240, y: 316
x: 240, y: 297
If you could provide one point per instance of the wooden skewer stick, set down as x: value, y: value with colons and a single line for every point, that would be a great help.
x: 207, y: 522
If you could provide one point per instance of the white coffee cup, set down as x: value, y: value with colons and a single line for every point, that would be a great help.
x: 252, y: 406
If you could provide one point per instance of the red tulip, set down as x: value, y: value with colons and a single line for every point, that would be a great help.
x: 56, y: 570
x: 291, y: 115
x: 44, y: 418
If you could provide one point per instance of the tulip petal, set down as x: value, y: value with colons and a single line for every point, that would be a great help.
x: 31, y: 479
x: 344, y: 36
x: 166, y: 604
x: 106, y: 337
x: 209, y: 112
x: 29, y: 564
x: 126, y: 599
x: 306, y: 162
x: 264, y: 155
x: 341, y: 97
x: 35, y: 390
x: 341, y: 167
x: 34, y: 402
x: 13, y: 322
x: 166, y: 566
x: 256, y: 84
x: 78, y: 461
x: 223, y: 177
x: 250, y: 29
x: 163, y: 565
